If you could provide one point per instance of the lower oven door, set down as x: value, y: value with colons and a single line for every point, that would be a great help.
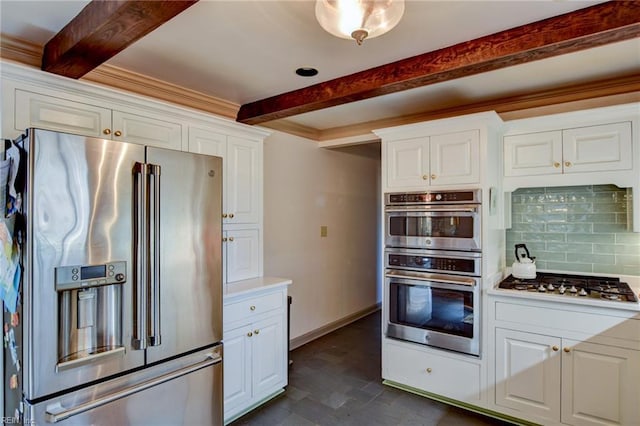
x: 435, y: 310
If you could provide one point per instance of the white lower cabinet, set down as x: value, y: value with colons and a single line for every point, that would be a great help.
x: 560, y: 380
x: 255, y: 350
x: 528, y: 373
x: 424, y: 369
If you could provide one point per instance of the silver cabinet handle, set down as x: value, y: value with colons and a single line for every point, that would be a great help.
x: 56, y: 412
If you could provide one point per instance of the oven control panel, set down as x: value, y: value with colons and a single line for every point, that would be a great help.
x: 469, y: 266
x: 447, y: 197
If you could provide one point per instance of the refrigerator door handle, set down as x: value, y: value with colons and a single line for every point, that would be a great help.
x: 56, y: 412
x: 140, y: 243
x: 154, y: 287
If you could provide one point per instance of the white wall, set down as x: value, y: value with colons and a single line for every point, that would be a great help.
x: 306, y: 187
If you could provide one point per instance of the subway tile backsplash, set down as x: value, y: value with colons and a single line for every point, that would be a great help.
x: 575, y: 229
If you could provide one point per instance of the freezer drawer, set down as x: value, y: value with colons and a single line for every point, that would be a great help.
x: 179, y: 392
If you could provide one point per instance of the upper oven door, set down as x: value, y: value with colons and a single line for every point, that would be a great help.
x: 450, y: 227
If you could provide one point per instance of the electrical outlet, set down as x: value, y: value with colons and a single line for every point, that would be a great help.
x: 323, y: 231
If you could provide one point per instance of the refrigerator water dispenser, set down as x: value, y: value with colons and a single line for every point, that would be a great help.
x: 89, y: 313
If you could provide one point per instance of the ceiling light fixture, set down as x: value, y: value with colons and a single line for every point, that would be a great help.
x: 358, y: 19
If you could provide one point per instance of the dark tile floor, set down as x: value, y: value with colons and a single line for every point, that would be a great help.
x: 335, y: 380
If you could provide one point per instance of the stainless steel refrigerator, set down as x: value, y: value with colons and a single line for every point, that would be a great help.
x: 121, y: 320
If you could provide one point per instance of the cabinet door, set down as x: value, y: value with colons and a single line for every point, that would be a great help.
x: 51, y: 113
x: 528, y: 373
x: 597, y: 148
x: 243, y: 181
x: 237, y: 369
x: 533, y: 154
x: 408, y: 163
x: 242, y: 249
x: 203, y: 141
x: 145, y: 130
x: 600, y: 384
x: 455, y: 158
x: 269, y: 361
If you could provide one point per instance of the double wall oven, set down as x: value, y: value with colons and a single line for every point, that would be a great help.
x: 433, y: 261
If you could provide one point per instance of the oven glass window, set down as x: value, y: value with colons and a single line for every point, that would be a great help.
x: 437, y: 309
x: 431, y: 226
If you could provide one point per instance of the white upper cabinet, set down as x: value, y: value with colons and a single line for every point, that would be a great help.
x: 533, y: 154
x: 148, y: 129
x: 459, y: 152
x: 63, y: 115
x: 244, y: 181
x: 597, y: 148
x: 408, y: 163
x: 586, y: 149
x: 449, y: 159
x: 242, y: 199
x: 48, y: 112
x: 242, y: 164
x: 455, y: 158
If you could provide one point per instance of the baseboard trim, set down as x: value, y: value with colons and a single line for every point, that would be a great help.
x: 319, y: 332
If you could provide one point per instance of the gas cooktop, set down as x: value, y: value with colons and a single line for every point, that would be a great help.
x: 605, y: 288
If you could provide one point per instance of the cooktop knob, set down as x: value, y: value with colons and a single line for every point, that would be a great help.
x: 541, y: 288
x: 582, y: 292
x: 573, y: 289
x: 562, y: 289
x: 550, y: 287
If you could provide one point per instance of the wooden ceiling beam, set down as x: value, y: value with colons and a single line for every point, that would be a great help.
x: 101, y: 30
x: 586, y: 28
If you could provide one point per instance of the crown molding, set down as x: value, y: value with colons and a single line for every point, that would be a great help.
x: 601, y: 93
x: 288, y: 126
x: 19, y: 50
x: 140, y: 84
x: 28, y: 53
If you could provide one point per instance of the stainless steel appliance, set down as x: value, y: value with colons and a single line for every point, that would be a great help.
x: 434, y: 309
x: 434, y: 220
x: 121, y: 318
x: 580, y: 286
x: 433, y: 263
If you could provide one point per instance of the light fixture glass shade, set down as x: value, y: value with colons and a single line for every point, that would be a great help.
x: 358, y: 19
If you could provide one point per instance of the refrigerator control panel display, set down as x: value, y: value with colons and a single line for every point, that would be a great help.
x: 80, y: 276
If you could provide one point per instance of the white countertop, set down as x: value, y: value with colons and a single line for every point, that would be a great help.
x: 633, y: 281
x: 254, y: 284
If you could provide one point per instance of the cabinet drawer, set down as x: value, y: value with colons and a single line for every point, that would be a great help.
x: 592, y: 324
x: 252, y: 307
x: 450, y: 377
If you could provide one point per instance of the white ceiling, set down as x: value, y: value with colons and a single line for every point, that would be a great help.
x: 243, y: 51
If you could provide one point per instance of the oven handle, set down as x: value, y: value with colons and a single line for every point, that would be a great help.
x: 427, y: 209
x: 469, y: 282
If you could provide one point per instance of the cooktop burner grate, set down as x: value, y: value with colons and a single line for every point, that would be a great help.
x: 604, y: 288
